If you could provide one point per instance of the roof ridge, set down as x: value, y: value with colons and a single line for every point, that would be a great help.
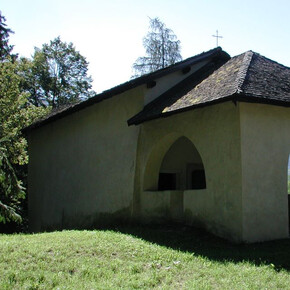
x: 193, y: 79
x: 243, y: 71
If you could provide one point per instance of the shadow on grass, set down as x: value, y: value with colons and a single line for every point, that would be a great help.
x: 188, y: 239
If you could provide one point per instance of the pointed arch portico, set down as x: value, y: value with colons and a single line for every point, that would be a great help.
x: 214, y: 134
x: 175, y: 165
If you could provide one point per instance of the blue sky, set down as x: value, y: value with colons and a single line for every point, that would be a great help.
x: 109, y: 33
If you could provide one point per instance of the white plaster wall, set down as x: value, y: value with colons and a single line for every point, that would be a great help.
x: 81, y: 169
x: 265, y: 135
x: 196, y: 207
x: 162, y: 206
x: 215, y: 132
x: 155, y: 205
x: 168, y: 81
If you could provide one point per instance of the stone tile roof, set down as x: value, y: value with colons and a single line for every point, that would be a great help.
x: 267, y: 79
x: 247, y: 77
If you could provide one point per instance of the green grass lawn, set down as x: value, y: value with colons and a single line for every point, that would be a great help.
x: 135, y: 257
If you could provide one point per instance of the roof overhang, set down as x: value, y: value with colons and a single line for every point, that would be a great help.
x: 216, y: 53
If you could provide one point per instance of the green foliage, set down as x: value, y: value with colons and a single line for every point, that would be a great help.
x: 162, y: 49
x: 140, y: 258
x: 11, y: 189
x: 16, y: 114
x: 56, y: 75
x: 5, y: 48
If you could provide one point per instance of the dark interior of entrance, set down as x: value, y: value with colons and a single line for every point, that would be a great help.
x: 182, y: 168
x: 167, y: 181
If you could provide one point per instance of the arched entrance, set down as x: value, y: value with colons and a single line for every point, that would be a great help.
x: 170, y: 171
x: 182, y: 167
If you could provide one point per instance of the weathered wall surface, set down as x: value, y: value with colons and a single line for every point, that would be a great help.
x: 265, y: 135
x: 215, y: 132
x: 162, y: 206
x: 81, y: 168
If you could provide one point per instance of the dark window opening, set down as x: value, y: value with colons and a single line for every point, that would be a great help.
x: 167, y: 181
x: 198, y: 179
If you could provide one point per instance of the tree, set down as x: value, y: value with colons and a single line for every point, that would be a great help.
x: 16, y: 113
x: 5, y: 48
x: 11, y: 189
x: 162, y: 49
x: 57, y: 75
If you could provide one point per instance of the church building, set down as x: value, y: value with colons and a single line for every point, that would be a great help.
x: 204, y: 142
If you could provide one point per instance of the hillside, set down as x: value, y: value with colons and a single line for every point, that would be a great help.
x: 145, y: 258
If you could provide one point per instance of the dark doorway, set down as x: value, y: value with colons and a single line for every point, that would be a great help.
x: 198, y: 179
x: 167, y: 181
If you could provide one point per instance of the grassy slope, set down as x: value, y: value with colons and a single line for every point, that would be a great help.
x: 140, y: 258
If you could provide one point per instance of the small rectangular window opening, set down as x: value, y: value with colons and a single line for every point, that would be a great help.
x: 167, y: 181
x: 198, y: 179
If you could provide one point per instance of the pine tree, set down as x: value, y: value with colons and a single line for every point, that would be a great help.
x: 162, y: 49
x: 5, y: 48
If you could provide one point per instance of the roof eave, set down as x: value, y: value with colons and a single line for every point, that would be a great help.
x: 235, y: 98
x: 182, y: 110
x: 217, y: 52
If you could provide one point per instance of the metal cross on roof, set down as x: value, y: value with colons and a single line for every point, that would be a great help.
x: 217, y: 38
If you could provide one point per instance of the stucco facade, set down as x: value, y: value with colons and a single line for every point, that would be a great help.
x: 265, y: 144
x: 88, y: 177
x: 81, y: 169
x: 246, y: 198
